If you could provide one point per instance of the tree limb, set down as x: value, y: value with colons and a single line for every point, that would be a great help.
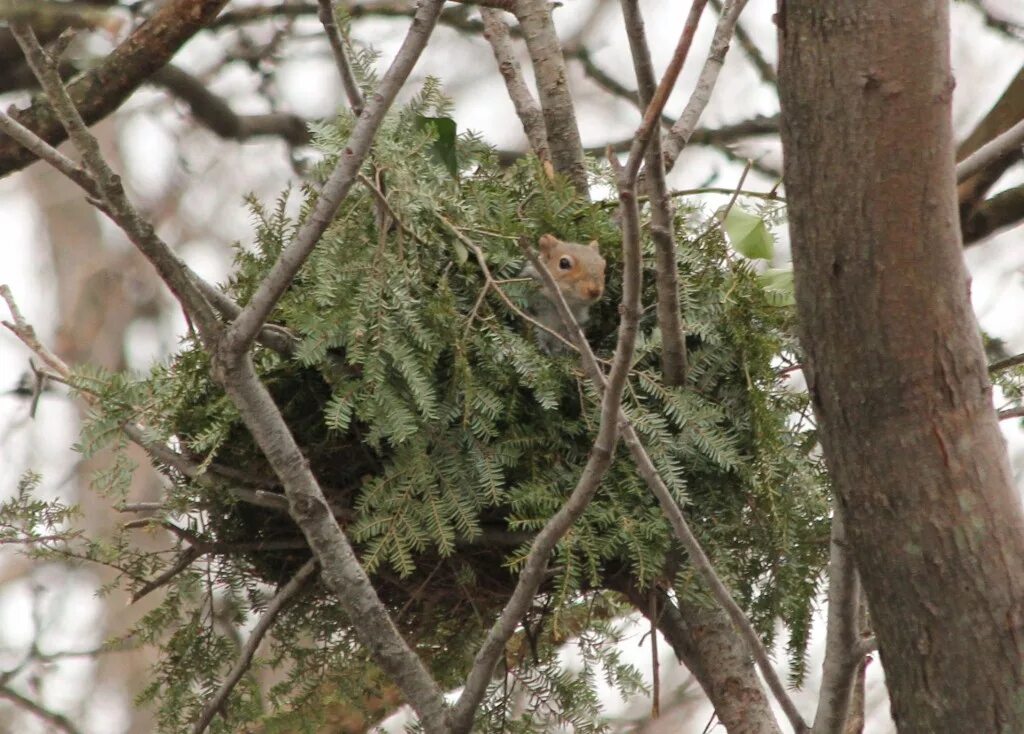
x: 1005, y: 144
x: 661, y: 93
x: 341, y: 570
x: 101, y: 90
x: 108, y: 186
x: 1007, y: 111
x: 529, y: 112
x: 556, y: 102
x: 59, y: 722
x: 704, y: 639
x: 764, y: 69
x: 215, y: 113
x: 1000, y: 211
x: 842, y: 636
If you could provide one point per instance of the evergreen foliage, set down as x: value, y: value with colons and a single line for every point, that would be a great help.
x: 444, y: 438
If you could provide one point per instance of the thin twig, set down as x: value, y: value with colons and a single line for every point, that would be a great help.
x: 491, y: 284
x: 348, y: 79
x: 184, y: 560
x: 276, y: 605
x: 607, y: 82
x: 680, y: 134
x: 653, y: 615
x: 1008, y: 413
x: 215, y: 112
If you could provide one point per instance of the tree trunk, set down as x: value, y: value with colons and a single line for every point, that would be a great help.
x: 894, y: 358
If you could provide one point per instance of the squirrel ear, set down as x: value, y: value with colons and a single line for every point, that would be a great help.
x: 593, y: 243
x: 547, y: 242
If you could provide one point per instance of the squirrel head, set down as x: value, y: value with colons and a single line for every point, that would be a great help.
x: 577, y: 269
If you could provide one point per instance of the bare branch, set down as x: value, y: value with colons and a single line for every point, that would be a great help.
x: 27, y: 334
x: 184, y: 560
x: 764, y: 69
x: 996, y: 213
x: 1008, y: 28
x: 673, y: 352
x: 535, y: 567
x: 563, y: 134
x: 1007, y: 143
x: 1008, y: 413
x: 102, y: 89
x: 59, y: 722
x: 111, y: 192
x: 718, y: 137
x: 1007, y: 111
x: 348, y: 80
x: 529, y: 112
x: 214, y: 112
x: 44, y: 151
x: 248, y: 651
x: 249, y: 322
x: 842, y: 637
x: 607, y: 82
x: 683, y: 129
x: 660, y: 97
x: 1004, y: 364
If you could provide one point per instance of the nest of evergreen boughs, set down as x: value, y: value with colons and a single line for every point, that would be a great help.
x: 444, y: 438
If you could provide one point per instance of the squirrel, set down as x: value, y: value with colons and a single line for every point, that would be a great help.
x: 578, y: 271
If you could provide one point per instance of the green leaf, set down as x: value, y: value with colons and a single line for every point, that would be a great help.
x: 444, y: 129
x: 748, y: 234
x: 778, y: 286
x: 461, y: 253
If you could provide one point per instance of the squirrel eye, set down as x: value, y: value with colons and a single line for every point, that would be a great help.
x: 565, y: 264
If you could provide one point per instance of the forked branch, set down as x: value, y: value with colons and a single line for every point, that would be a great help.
x: 673, y: 351
x: 680, y: 134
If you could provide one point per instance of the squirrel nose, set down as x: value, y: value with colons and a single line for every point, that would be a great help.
x: 593, y: 292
